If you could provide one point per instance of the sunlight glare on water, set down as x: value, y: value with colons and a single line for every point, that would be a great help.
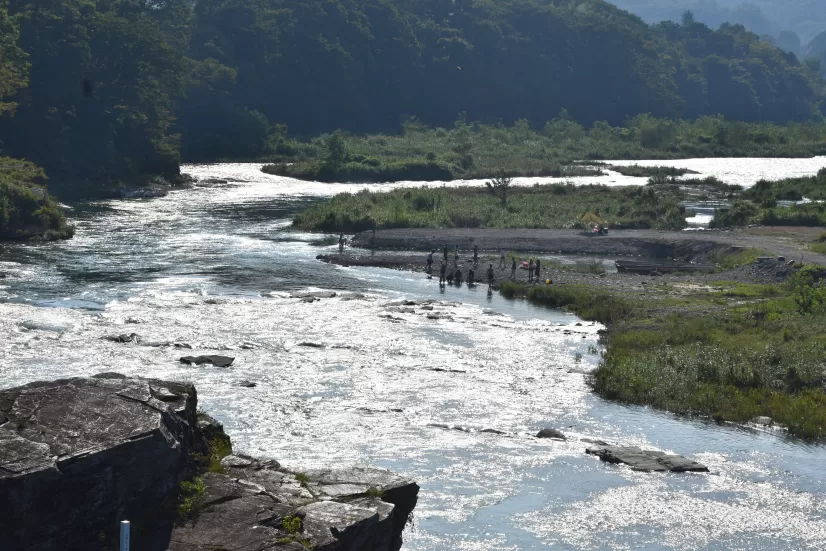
x: 361, y: 380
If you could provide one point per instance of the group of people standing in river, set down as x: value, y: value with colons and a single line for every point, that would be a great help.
x: 454, y: 276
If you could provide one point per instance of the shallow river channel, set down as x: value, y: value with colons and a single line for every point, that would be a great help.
x: 213, y: 268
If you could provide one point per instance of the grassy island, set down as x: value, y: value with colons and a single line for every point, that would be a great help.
x: 654, y: 206
x: 478, y: 151
x: 548, y: 206
x: 728, y: 351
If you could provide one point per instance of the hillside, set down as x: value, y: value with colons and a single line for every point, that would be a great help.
x: 121, y: 90
x: 806, y: 18
x: 365, y: 65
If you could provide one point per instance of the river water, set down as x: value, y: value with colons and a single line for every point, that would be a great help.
x: 213, y: 268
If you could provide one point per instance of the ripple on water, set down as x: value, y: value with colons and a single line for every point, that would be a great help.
x: 212, y: 269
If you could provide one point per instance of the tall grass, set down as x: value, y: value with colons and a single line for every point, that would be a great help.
x: 756, y: 351
x: 549, y: 206
x: 579, y: 299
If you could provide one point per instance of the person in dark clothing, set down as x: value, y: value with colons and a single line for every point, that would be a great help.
x: 513, y: 269
x: 450, y: 278
x: 530, y: 271
x: 430, y: 262
x: 490, y: 274
x: 457, y: 278
x: 475, y: 254
x: 442, y: 270
x: 470, y: 276
x: 537, y: 270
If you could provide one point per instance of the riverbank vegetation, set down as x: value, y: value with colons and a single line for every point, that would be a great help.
x: 475, y: 150
x: 99, y: 92
x: 730, y: 352
x: 540, y: 206
x: 27, y: 211
x: 759, y: 204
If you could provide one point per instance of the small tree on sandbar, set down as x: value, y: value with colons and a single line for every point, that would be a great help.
x: 500, y: 187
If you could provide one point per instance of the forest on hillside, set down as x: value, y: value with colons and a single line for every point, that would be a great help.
x: 804, y: 18
x: 102, y: 90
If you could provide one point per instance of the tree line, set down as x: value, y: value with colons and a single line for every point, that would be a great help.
x: 102, y: 90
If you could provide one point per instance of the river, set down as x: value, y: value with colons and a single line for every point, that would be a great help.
x: 213, y: 268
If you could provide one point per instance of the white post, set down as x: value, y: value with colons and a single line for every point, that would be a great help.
x: 124, y: 535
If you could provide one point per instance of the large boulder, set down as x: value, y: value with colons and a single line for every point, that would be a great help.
x: 79, y: 455
x: 646, y: 460
x: 551, y: 433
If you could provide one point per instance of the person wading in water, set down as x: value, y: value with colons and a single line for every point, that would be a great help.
x: 513, y: 269
x: 442, y: 270
x: 490, y: 274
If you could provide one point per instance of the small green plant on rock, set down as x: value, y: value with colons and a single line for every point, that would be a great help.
x: 190, y: 497
x: 293, y: 526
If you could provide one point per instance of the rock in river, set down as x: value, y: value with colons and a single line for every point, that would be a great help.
x: 646, y: 460
x: 763, y: 420
x: 551, y: 433
x: 79, y: 455
x: 123, y: 339
x: 217, y: 361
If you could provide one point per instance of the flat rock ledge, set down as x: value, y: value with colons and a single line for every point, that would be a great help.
x: 79, y: 455
x: 646, y: 460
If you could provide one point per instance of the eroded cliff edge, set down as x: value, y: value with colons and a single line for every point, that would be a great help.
x: 79, y: 455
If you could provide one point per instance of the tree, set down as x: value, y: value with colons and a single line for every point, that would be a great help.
x: 500, y: 188
x: 13, y: 66
x: 103, y: 80
x: 336, y: 152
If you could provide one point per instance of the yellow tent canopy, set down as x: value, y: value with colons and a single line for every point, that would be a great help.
x: 587, y: 217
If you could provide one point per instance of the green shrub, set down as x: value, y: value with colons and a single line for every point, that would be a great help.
x: 579, y: 299
x: 191, y: 495
x: 549, y: 206
x: 26, y: 209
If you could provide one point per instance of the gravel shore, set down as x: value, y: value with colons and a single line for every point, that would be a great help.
x: 689, y: 245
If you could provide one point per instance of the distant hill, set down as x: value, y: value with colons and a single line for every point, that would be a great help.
x: 96, y: 91
x: 806, y: 18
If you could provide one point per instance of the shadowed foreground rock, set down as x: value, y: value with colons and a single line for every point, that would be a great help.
x: 645, y: 460
x: 79, y: 455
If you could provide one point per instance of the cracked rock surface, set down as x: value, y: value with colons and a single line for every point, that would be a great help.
x: 340, y: 510
x: 79, y: 455
x: 646, y: 460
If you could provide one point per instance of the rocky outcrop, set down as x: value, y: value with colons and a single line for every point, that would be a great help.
x: 79, y: 455
x: 646, y: 460
x: 257, y: 505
